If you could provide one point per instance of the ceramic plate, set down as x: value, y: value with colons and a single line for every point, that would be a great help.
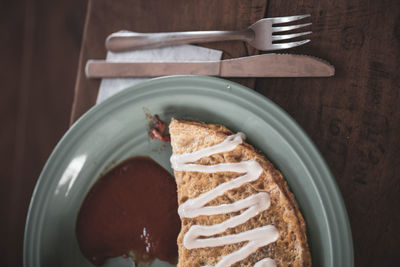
x: 117, y: 129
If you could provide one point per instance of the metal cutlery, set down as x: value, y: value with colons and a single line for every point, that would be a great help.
x: 268, y: 65
x: 262, y: 35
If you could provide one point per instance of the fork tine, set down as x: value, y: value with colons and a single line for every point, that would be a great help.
x: 289, y: 28
x: 289, y: 36
x: 288, y: 45
x: 279, y: 20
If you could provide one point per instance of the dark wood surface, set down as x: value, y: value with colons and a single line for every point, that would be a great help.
x: 39, y: 57
x: 353, y: 118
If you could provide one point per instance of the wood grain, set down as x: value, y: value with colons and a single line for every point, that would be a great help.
x: 160, y: 16
x: 354, y: 118
x: 39, y: 54
x: 12, y: 22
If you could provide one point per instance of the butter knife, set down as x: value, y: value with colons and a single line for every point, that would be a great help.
x: 267, y: 65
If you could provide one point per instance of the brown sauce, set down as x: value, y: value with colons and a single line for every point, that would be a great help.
x: 132, y: 208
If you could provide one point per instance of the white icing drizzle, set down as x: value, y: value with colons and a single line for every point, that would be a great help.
x: 266, y: 263
x: 250, y: 206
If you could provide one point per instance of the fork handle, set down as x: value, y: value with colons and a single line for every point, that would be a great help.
x: 134, y: 40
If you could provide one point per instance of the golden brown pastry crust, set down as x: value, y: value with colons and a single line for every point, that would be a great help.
x: 291, y: 249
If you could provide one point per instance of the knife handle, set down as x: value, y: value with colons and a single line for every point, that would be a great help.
x: 104, y: 69
x: 133, y: 40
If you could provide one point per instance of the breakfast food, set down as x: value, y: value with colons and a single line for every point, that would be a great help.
x: 235, y: 207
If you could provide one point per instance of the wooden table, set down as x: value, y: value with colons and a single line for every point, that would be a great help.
x: 354, y: 117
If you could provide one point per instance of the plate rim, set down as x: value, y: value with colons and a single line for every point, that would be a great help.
x: 316, y: 159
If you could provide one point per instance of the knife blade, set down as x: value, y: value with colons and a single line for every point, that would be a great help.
x: 267, y: 65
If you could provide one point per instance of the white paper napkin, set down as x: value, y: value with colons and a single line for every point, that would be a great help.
x: 182, y: 53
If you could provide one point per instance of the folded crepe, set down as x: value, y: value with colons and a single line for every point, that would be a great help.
x: 235, y: 207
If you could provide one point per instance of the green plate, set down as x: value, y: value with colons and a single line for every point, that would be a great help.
x: 117, y: 129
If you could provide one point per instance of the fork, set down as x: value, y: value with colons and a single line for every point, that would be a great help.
x: 262, y: 35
